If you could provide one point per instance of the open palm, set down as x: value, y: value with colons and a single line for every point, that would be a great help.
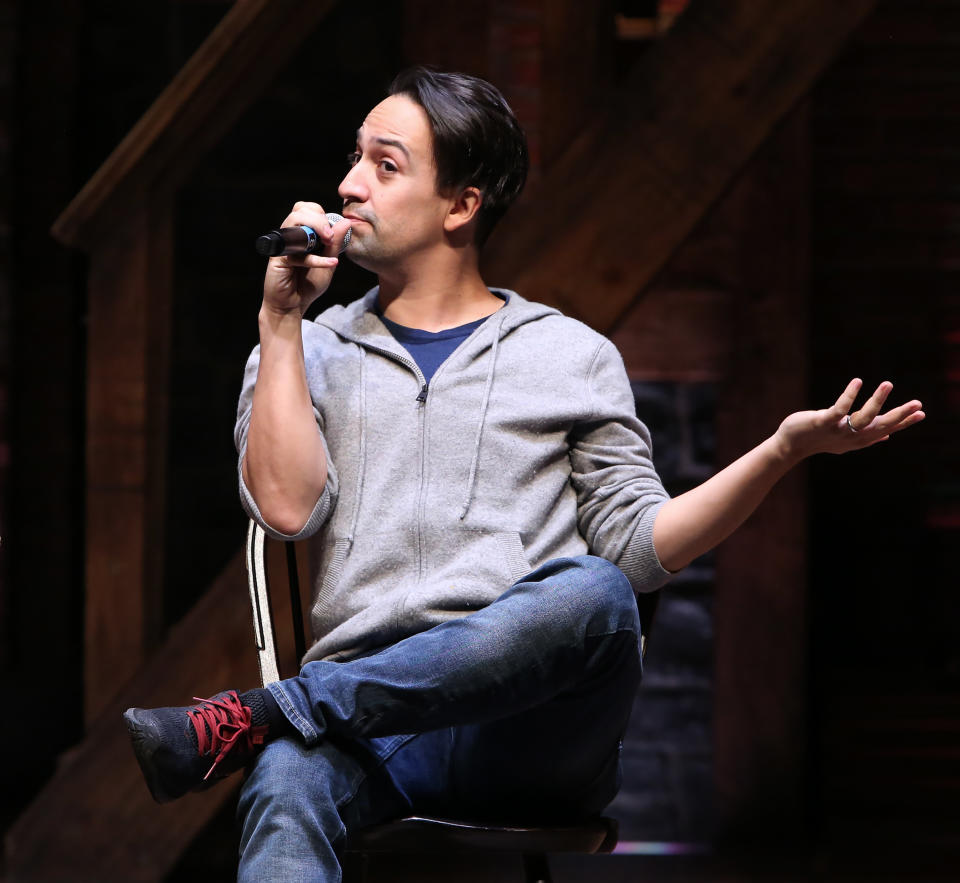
x: 837, y: 430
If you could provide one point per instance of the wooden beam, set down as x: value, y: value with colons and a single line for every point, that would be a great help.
x: 127, y: 380
x: 760, y: 687
x: 222, y: 79
x: 95, y: 820
x: 597, y: 229
x: 576, y: 70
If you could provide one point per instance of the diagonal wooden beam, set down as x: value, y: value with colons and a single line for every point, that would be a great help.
x: 236, y: 62
x: 95, y: 820
x: 598, y: 227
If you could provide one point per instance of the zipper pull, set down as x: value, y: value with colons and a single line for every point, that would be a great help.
x: 422, y: 396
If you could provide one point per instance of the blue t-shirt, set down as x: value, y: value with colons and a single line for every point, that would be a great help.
x: 430, y: 349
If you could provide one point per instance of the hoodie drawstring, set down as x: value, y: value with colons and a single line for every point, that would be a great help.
x: 363, y: 445
x: 472, y: 481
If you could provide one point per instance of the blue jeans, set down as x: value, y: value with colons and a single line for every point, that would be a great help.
x: 513, y: 714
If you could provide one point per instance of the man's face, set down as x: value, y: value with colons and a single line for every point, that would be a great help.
x: 390, y: 190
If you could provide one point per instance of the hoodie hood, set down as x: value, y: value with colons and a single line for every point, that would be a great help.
x: 358, y: 321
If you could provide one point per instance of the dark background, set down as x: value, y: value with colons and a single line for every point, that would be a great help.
x: 883, y: 623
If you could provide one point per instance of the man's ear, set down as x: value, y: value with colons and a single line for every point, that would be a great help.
x: 463, y: 209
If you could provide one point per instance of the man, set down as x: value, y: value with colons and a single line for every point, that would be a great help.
x: 456, y: 452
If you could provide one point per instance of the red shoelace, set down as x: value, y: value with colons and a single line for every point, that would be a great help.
x: 222, y: 723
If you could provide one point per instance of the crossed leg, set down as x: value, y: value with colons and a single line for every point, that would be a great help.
x: 512, y: 713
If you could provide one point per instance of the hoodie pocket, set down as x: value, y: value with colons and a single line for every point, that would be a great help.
x: 491, y: 559
x: 331, y: 579
x: 511, y: 547
x: 372, y: 584
x: 467, y: 570
x: 361, y: 584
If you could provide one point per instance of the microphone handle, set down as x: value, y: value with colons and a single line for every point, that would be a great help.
x: 296, y: 240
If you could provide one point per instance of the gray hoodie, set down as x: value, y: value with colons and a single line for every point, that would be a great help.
x: 524, y: 447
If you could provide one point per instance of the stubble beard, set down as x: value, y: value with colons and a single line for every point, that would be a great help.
x: 369, y: 251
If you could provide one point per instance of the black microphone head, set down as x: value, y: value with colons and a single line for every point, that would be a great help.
x: 270, y: 244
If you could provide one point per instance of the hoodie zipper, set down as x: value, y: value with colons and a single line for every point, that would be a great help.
x: 421, y: 401
x: 421, y: 493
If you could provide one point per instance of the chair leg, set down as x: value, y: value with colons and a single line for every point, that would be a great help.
x: 355, y: 866
x: 536, y: 868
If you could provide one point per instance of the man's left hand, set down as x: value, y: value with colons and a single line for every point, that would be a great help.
x: 837, y: 430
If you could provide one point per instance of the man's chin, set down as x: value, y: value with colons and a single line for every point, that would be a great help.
x: 358, y: 257
x: 362, y: 256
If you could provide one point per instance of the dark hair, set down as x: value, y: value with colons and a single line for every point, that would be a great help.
x: 477, y: 141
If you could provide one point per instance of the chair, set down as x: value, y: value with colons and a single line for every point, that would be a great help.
x: 279, y: 635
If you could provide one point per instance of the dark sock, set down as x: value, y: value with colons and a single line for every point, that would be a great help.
x: 264, y: 711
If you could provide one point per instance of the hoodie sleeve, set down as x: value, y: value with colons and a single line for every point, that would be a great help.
x: 618, y: 490
x: 324, y: 505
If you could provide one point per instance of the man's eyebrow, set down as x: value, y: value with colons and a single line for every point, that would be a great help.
x: 389, y: 142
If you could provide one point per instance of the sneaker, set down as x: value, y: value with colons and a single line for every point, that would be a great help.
x: 192, y: 747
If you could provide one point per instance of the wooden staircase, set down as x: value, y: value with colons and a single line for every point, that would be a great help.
x: 634, y: 184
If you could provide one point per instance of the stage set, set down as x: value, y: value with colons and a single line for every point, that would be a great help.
x: 755, y: 200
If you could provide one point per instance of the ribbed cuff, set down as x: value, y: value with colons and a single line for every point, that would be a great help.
x: 639, y: 560
x: 318, y: 516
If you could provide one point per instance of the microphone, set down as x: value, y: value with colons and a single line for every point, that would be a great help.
x: 296, y: 240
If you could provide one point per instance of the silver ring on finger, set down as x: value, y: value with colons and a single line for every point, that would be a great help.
x: 850, y: 425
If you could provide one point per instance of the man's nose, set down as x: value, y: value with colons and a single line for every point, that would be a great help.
x: 353, y: 188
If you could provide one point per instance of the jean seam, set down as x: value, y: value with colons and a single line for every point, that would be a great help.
x: 613, y: 632
x: 305, y: 727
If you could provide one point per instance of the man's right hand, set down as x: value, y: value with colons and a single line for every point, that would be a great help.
x: 293, y: 282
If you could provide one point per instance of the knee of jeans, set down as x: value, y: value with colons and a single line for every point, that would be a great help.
x: 287, y: 807
x: 608, y: 592
x: 287, y: 779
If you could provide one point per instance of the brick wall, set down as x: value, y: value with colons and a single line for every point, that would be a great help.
x: 668, y: 750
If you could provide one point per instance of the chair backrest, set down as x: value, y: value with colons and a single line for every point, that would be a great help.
x: 647, y: 603
x: 278, y: 621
